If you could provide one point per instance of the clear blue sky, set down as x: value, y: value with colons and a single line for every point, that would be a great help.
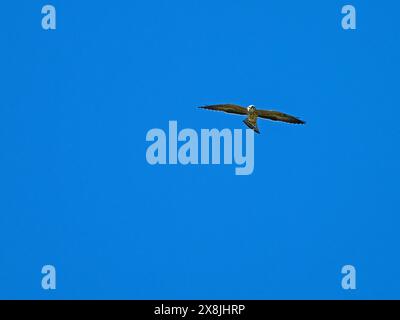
x: 76, y: 190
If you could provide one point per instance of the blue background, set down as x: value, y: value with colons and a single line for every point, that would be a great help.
x: 76, y: 190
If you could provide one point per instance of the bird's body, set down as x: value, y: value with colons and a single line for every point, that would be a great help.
x: 252, y: 114
x: 251, y: 120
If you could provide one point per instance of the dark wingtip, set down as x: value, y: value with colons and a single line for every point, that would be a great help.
x: 298, y: 121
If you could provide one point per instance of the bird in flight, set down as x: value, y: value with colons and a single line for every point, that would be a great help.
x: 252, y: 114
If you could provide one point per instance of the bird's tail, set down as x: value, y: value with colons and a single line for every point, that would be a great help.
x: 251, y: 125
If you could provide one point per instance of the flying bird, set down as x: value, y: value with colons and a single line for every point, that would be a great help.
x: 252, y: 114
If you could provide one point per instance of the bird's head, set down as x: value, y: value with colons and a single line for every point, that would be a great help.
x: 251, y: 108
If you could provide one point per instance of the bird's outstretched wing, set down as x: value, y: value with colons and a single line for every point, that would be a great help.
x: 278, y: 116
x: 228, y: 108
